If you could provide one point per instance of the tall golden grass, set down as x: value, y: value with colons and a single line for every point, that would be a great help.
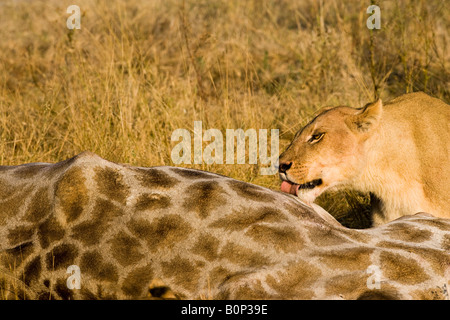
x: 138, y: 70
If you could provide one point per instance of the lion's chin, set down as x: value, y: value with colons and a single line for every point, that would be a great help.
x: 309, y: 196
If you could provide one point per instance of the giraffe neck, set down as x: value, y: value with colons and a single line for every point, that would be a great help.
x: 134, y: 232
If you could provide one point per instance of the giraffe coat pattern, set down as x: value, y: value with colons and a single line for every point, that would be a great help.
x: 139, y: 232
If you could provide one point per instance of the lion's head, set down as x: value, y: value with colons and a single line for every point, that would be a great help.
x: 329, y: 151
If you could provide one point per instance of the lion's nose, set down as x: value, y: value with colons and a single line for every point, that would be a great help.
x: 284, y: 166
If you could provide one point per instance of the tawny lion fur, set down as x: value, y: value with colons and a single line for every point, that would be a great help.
x: 398, y: 151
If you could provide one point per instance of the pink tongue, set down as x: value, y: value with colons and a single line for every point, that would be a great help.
x: 289, y: 187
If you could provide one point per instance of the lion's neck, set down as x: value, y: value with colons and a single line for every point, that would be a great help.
x: 391, y: 176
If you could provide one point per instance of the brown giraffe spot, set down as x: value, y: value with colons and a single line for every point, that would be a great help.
x: 194, y: 174
x: 28, y: 171
x: 72, y: 193
x: 206, y: 246
x: 106, y: 211
x: 285, y: 239
x: 126, y: 249
x: 136, y: 283
x: 295, y: 279
x: 242, y: 219
x: 217, y: 276
x: 440, y: 224
x: 408, y: 233
x: 325, y: 237
x: 155, y: 179
x: 20, y: 234
x: 62, y: 290
x: 50, y: 230
x: 45, y: 295
x: 300, y: 211
x: 87, y: 294
x: 184, y: 272
x: 251, y: 192
x: 354, y: 286
x: 12, y: 202
x: 378, y: 295
x: 32, y: 271
x: 91, y: 231
x: 7, y: 189
x: 235, y: 286
x: 17, y: 255
x: 39, y: 206
x: 348, y: 286
x: 401, y: 269
x: 243, y: 256
x: 438, y: 259
x: 61, y: 256
x: 152, y: 201
x: 351, y: 259
x: 110, y: 183
x: 92, y: 263
x: 446, y: 242
x: 164, y: 232
x: 204, y: 197
x: 246, y: 291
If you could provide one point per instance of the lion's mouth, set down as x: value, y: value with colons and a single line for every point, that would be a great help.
x: 311, y: 184
x: 289, y: 187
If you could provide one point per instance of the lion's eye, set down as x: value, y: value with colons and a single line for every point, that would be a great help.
x: 316, y: 137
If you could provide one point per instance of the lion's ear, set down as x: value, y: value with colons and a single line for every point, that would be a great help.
x: 367, y: 118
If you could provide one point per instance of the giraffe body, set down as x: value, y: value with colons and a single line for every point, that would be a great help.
x: 136, y: 232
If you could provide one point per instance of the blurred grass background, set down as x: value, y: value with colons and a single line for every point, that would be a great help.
x: 138, y: 70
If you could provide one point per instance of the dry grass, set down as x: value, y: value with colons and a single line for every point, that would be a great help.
x: 137, y: 70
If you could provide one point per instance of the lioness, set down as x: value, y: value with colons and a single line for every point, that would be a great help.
x: 399, y: 152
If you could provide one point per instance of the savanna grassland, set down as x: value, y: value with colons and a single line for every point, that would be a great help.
x: 138, y: 70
